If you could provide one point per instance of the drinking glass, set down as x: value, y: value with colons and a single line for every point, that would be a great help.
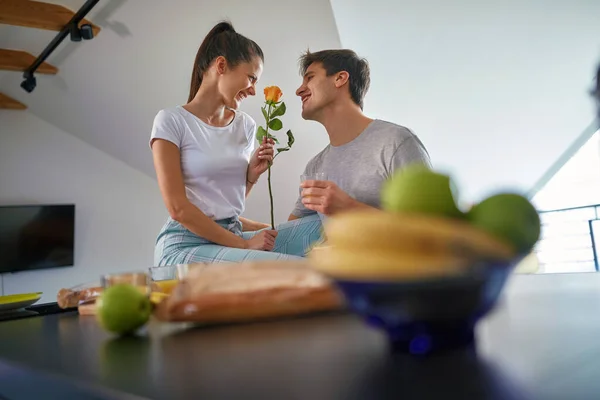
x: 166, y: 277
x: 317, y: 176
x: 172, y: 272
x: 139, y: 279
x: 163, y: 273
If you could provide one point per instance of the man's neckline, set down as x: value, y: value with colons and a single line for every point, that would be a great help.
x: 368, y: 127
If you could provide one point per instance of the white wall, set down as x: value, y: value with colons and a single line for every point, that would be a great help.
x: 496, y: 89
x: 118, y: 209
x: 109, y: 89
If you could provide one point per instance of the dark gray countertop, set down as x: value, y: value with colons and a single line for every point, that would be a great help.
x: 542, y: 341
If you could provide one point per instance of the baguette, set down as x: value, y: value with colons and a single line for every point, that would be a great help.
x: 247, y: 291
x: 73, y: 297
x: 87, y: 308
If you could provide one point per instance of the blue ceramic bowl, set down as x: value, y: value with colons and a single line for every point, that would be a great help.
x: 428, y: 316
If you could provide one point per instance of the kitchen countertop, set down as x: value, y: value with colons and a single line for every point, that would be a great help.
x: 541, y: 342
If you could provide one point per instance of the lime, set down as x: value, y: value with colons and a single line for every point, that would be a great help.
x: 123, y: 308
x: 509, y: 217
x: 418, y: 189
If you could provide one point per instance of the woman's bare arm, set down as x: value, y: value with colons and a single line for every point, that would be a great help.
x: 249, y: 187
x: 250, y: 225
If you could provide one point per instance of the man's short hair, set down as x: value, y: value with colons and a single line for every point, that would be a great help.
x: 334, y: 61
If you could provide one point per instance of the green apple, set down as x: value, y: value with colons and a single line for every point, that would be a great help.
x: 123, y: 308
x: 418, y: 189
x: 509, y: 217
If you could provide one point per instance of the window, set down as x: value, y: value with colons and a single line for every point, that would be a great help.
x: 569, y: 204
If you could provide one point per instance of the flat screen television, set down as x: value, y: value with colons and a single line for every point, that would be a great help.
x: 36, y: 237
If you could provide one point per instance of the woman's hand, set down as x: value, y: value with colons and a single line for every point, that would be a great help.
x: 263, y: 240
x: 248, y: 225
x: 260, y: 160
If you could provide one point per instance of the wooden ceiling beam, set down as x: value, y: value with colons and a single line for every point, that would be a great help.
x: 8, y: 103
x: 16, y: 60
x: 36, y: 14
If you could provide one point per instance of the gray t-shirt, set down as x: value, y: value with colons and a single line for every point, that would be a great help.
x: 361, y: 166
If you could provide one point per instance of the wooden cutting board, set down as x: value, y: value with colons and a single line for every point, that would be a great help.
x: 87, y: 309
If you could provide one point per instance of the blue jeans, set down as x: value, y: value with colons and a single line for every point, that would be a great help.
x: 177, y: 245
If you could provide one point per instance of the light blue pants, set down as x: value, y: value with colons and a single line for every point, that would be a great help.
x: 177, y: 245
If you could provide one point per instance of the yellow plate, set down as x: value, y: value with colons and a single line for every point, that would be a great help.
x: 16, y: 301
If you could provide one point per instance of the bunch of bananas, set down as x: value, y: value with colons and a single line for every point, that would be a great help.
x: 378, y: 244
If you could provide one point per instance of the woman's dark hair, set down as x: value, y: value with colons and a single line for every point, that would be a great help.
x: 222, y: 40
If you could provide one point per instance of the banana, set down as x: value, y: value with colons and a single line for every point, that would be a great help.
x: 364, y: 264
x: 380, y: 245
x: 380, y: 231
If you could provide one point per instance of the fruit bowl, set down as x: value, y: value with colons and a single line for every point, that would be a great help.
x: 428, y: 316
x: 423, y: 280
x: 421, y: 269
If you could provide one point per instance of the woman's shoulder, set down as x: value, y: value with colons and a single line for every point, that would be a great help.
x: 168, y: 113
x: 166, y: 125
x: 168, y: 117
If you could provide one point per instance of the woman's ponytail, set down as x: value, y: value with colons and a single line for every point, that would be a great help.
x: 222, y: 40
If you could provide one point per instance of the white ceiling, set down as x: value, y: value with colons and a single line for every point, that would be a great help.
x: 497, y: 90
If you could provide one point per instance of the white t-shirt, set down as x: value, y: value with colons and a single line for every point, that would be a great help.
x: 214, y: 160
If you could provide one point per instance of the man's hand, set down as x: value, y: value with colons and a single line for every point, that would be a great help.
x: 326, y: 197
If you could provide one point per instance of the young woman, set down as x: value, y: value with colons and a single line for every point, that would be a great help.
x: 206, y: 163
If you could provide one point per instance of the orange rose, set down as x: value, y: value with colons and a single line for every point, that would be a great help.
x: 273, y: 94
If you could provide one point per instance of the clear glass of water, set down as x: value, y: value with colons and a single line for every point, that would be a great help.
x: 317, y: 176
x: 138, y: 279
x: 171, y: 272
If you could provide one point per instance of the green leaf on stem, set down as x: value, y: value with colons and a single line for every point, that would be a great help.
x: 264, y: 111
x: 279, y: 150
x: 278, y: 111
x: 260, y: 134
x: 291, y: 139
x: 275, y: 124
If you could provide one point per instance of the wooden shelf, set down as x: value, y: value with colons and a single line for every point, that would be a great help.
x: 16, y: 60
x: 35, y: 14
x: 8, y: 103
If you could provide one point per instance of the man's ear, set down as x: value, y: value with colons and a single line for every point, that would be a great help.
x: 341, y: 78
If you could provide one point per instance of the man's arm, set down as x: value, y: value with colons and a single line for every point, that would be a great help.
x: 410, y: 151
x: 300, y: 210
x: 357, y: 205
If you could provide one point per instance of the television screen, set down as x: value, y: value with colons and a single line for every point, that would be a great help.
x: 36, y: 237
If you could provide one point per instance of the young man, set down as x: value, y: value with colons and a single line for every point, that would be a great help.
x: 362, y: 152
